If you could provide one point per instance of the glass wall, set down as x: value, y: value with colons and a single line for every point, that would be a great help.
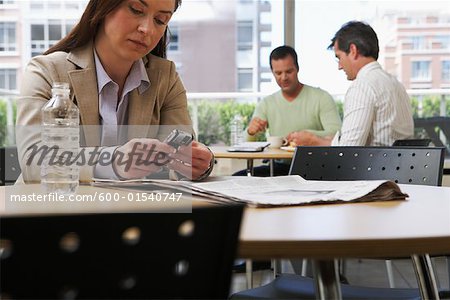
x: 414, y: 40
x: 223, y: 46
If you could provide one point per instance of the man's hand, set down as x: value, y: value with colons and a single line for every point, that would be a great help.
x: 191, y: 161
x: 256, y: 125
x: 306, y: 138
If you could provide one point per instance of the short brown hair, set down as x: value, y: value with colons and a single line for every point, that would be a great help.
x: 282, y: 52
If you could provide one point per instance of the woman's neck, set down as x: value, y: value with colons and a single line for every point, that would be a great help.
x: 116, y: 69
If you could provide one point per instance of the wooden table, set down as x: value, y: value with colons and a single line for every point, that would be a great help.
x: 268, y: 153
x: 321, y: 232
x: 379, y: 229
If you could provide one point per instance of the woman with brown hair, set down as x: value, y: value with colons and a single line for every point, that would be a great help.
x: 114, y: 61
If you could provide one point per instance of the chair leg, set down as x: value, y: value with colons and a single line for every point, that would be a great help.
x: 448, y: 270
x: 426, y: 278
x: 249, y: 273
x: 390, y: 273
x: 304, y: 267
x: 342, y: 266
x: 326, y: 279
x: 276, y: 265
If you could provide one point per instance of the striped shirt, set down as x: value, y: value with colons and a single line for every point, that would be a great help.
x: 377, y: 110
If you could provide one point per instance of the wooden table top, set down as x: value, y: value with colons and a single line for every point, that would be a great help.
x: 376, y: 229
x: 268, y: 153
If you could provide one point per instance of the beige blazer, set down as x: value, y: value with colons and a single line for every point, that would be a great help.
x: 163, y: 103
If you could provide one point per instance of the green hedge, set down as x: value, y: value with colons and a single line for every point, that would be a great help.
x: 214, y: 117
x: 3, y: 122
x: 430, y: 106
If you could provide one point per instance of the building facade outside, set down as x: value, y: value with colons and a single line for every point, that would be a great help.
x: 28, y: 28
x: 11, y: 45
x: 418, y: 49
x: 218, y: 46
x: 223, y: 46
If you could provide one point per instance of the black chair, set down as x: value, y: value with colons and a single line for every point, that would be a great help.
x: 432, y: 126
x: 412, y: 142
x: 412, y: 165
x: 9, y: 165
x: 120, y: 256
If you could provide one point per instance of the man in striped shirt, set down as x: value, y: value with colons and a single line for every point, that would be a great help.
x: 377, y: 109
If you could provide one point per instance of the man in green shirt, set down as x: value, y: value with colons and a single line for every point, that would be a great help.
x: 294, y: 108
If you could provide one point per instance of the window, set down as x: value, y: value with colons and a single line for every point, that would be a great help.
x: 54, y: 5
x: 245, y: 80
x: 421, y: 70
x: 38, y: 41
x: 8, y: 79
x: 36, y: 5
x: 54, y: 31
x: 8, y: 36
x: 37, y: 32
x: 444, y: 40
x: 394, y: 22
x: 245, y: 35
x: 418, y: 42
x: 43, y: 36
x: 445, y: 70
x: 173, y: 38
x: 69, y: 27
x: 73, y: 5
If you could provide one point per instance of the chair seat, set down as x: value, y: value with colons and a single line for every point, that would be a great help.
x: 290, y: 286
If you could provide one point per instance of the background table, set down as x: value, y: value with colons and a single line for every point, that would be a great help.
x: 268, y: 153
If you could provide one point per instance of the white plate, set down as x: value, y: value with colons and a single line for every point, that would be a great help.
x: 288, y: 148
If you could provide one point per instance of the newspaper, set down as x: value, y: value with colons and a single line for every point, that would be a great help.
x: 275, y: 191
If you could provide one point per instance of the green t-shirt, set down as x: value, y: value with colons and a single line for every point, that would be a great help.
x: 314, y: 110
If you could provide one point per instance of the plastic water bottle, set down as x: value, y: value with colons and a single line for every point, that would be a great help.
x: 236, y: 130
x: 60, y: 131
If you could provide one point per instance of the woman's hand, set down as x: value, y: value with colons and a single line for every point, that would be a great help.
x: 141, y: 157
x: 191, y: 161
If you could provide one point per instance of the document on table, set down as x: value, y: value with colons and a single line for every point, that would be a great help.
x: 279, y: 190
x: 249, y: 147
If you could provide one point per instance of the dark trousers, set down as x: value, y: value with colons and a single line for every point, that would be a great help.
x: 279, y: 169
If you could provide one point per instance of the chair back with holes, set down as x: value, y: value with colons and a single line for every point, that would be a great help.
x: 411, y: 165
x: 120, y: 256
x: 9, y: 165
x: 412, y: 142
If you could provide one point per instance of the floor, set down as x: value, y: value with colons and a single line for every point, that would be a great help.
x: 365, y: 272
